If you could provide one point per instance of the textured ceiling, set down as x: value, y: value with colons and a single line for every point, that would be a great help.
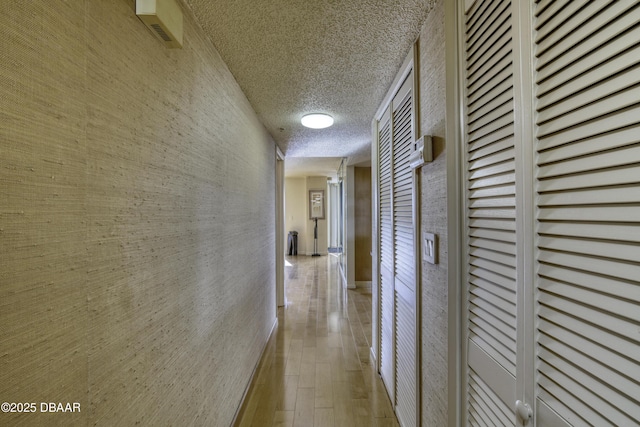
x: 312, y: 166
x: 293, y: 57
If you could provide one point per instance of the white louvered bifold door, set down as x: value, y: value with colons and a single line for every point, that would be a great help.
x: 491, y: 236
x: 397, y: 262
x: 588, y: 218
x: 387, y: 305
x: 404, y: 265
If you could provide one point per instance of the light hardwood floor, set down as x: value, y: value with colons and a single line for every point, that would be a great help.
x: 316, y: 370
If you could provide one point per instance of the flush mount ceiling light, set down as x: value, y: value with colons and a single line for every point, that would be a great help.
x: 317, y: 121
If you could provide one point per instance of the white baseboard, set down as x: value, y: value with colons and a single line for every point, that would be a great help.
x: 363, y: 284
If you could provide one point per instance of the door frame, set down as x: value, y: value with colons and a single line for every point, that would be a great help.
x: 280, y: 247
x: 455, y: 220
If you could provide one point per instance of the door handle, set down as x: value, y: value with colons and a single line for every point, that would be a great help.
x: 524, y: 411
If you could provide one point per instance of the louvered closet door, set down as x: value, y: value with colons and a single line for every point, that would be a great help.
x: 404, y: 265
x: 397, y: 254
x: 387, y: 315
x: 588, y: 221
x: 491, y: 215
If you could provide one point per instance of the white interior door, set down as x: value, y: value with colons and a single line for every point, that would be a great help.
x: 404, y: 271
x: 561, y: 200
x: 397, y: 248
x: 588, y: 213
x: 491, y: 215
x: 387, y: 315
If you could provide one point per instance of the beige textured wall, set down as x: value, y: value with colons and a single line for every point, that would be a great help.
x: 362, y: 218
x: 136, y: 221
x: 297, y: 212
x: 434, y: 220
x: 295, y: 190
x: 317, y: 183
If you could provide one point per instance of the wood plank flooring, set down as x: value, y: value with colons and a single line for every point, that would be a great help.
x: 316, y: 370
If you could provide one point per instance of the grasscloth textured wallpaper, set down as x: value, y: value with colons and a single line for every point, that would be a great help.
x: 434, y: 220
x: 137, y: 245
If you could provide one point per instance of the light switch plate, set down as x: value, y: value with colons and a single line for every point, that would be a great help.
x: 430, y: 247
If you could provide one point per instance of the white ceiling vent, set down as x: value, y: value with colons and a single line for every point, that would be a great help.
x: 164, y: 19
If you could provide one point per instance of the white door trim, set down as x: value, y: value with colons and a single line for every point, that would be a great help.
x: 280, y: 247
x: 455, y: 204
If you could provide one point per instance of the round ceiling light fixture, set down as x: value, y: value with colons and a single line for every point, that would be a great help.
x: 317, y: 121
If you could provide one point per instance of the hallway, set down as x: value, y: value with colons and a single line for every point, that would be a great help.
x: 316, y: 369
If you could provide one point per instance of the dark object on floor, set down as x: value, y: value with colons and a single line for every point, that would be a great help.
x: 292, y: 243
